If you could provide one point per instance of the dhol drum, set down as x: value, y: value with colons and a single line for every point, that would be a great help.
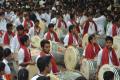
x: 116, y: 45
x: 85, y: 40
x: 108, y: 67
x: 72, y: 57
x: 57, y: 50
x: 35, y: 41
x: 33, y: 70
x: 69, y: 75
x: 88, y: 69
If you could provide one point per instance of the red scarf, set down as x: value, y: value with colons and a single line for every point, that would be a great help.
x: 27, y: 55
x: 90, y: 53
x: 114, y: 30
x: 60, y: 22
x: 105, y: 57
x: 53, y: 62
x: 85, y: 29
x: 70, y: 42
x: 48, y: 37
x: 74, y: 23
x: 26, y: 26
x: 6, y: 40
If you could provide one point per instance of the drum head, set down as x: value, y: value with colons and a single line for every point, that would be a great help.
x: 108, y: 67
x: 85, y: 40
x: 71, y: 57
x: 116, y: 46
x: 35, y: 41
x: 33, y: 70
x: 68, y: 75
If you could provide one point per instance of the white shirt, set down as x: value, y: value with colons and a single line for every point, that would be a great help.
x: 69, y: 24
x: 109, y: 29
x: 3, y: 24
x: 99, y: 58
x: 66, y: 17
x: 83, y: 20
x: 18, y: 22
x: 7, y: 68
x: 100, y: 22
x: 66, y: 40
x: 53, y: 20
x: 52, y: 36
x: 15, y: 45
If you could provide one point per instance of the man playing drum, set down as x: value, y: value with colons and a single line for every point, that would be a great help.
x: 45, y: 45
x: 107, y: 55
x: 92, y: 48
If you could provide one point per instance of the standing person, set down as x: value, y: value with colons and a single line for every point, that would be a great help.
x: 8, y: 36
x: 45, y: 45
x: 92, y: 48
x: 24, y: 55
x: 15, y: 44
x: 51, y: 35
x: 44, y: 66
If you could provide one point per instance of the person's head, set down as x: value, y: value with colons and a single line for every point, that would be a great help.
x: 72, y: 16
x: 92, y: 38
x: 109, y: 41
x: 7, y: 54
x: 1, y: 53
x: 9, y: 27
x: 108, y: 75
x: 81, y: 78
x: 71, y: 28
x: 51, y: 27
x: 117, y: 20
x: 45, y: 45
x: 20, y: 29
x: 2, y: 68
x: 110, y: 17
x: 23, y: 74
x: 90, y: 17
x: 27, y: 16
x: 44, y: 65
x: 36, y: 23
x: 25, y: 40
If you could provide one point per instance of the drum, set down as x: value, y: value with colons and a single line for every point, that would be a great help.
x: 69, y: 75
x: 88, y: 69
x: 108, y: 67
x: 116, y: 46
x: 33, y: 70
x: 35, y: 41
x: 85, y: 40
x: 42, y: 25
x: 58, y: 51
x: 72, y: 57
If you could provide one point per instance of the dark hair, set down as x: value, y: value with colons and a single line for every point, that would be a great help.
x: 108, y: 75
x: 109, y: 38
x: 50, y: 25
x: 20, y: 27
x: 9, y: 25
x: 23, y: 74
x: 43, y: 62
x: 81, y: 78
x: 6, y: 52
x: 71, y: 27
x: 36, y: 21
x: 71, y: 16
x: 43, y: 42
x: 43, y: 78
x: 91, y: 37
x: 2, y: 66
x: 24, y: 39
x: 1, y: 53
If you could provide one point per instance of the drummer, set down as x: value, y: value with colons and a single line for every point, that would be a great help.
x: 107, y: 55
x: 45, y: 45
x: 51, y: 35
x: 24, y: 55
x: 92, y: 48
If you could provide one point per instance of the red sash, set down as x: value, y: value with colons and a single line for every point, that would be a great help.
x: 48, y: 37
x: 6, y: 40
x: 105, y: 57
x: 27, y: 55
x: 114, y: 30
x: 86, y: 26
x: 59, y: 23
x: 90, y: 53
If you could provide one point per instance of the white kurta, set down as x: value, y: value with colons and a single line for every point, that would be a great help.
x: 7, y: 68
x: 109, y: 29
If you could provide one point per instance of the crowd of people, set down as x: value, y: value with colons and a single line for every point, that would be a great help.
x: 63, y: 21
